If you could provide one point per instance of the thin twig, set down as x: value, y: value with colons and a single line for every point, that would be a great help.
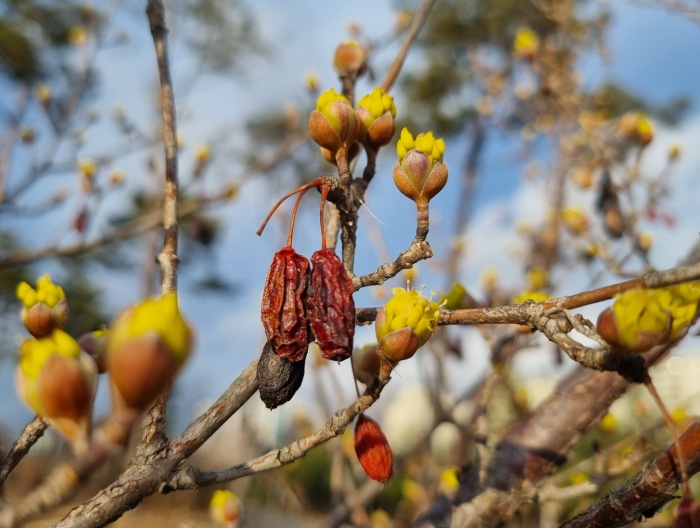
x: 168, y: 258
x: 411, y: 35
x: 32, y: 432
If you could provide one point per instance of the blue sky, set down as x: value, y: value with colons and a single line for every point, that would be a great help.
x: 653, y: 51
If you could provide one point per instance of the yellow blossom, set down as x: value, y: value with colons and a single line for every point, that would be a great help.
x: 608, y: 423
x: 57, y: 380
x: 526, y: 43
x: 42, y: 93
x: 157, y: 315
x: 87, y: 167
x: 202, y: 153
x: 225, y: 507
x: 642, y: 318
x: 645, y: 241
x: 578, y: 477
x: 574, y: 220
x: 538, y: 278
x: 44, y: 308
x: 311, y: 80
x: 674, y: 151
x: 420, y: 172
x: 536, y: 296
x: 376, y: 112
x: 405, y: 324
x: 77, y: 35
x: 333, y: 125
x: 146, y: 346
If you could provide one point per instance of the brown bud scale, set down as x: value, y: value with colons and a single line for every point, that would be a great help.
x: 331, y: 307
x: 283, y: 310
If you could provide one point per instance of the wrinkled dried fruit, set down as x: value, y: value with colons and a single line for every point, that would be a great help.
x: 331, y: 307
x: 278, y: 379
x: 373, y: 450
x: 283, y: 309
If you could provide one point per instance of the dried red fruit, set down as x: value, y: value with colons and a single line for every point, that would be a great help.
x: 278, y: 379
x: 331, y: 307
x: 283, y: 308
x: 373, y: 450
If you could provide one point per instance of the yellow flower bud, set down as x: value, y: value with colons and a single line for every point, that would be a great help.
x: 225, y: 508
x: 45, y: 308
x: 87, y: 168
x: 202, y: 153
x: 674, y: 151
x: 350, y: 56
x: 636, y: 126
x: 526, y: 43
x: 333, y: 125
x: 536, y: 296
x: 405, y: 324
x: 376, y: 112
x: 77, y: 35
x: 574, y: 220
x: 645, y: 241
x: 643, y: 318
x: 58, y: 381
x: 42, y: 92
x: 147, y: 345
x: 454, y: 299
x: 420, y: 172
x: 311, y: 81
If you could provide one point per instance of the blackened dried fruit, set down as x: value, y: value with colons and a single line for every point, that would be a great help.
x: 278, y: 379
x: 283, y: 308
x: 331, y: 307
x: 373, y: 450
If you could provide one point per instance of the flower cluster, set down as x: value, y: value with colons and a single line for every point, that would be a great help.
x: 55, y: 378
x: 641, y: 318
x: 57, y: 375
x: 339, y: 129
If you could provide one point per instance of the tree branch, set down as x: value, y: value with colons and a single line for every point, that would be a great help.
x: 168, y: 258
x: 645, y: 493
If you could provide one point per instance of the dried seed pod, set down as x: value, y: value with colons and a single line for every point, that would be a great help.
x: 331, y: 307
x: 283, y: 309
x: 278, y: 379
x: 373, y: 450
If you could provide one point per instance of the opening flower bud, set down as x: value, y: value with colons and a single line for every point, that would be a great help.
x: 376, y: 112
x: 333, y: 125
x: 405, y: 324
x: 45, y: 308
x: 146, y: 346
x: 420, y: 172
x: 642, y: 318
x: 58, y: 380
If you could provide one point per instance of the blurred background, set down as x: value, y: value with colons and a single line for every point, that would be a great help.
x: 571, y: 131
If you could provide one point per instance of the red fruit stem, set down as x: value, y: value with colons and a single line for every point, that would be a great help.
x: 324, y: 194
x: 676, y: 441
x: 302, y: 190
